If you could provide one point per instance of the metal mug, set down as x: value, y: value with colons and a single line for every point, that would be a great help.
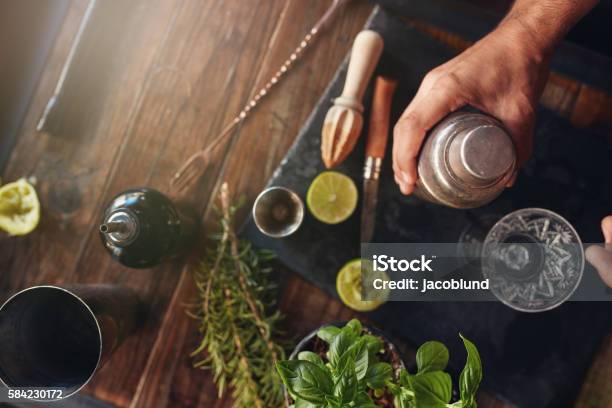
x: 56, y: 338
x: 278, y: 212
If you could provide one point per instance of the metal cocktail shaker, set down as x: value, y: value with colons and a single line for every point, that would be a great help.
x: 466, y: 161
x: 55, y: 338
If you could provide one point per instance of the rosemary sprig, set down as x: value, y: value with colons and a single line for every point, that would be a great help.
x: 236, y: 317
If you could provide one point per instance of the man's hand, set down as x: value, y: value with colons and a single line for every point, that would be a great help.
x: 601, y: 257
x: 503, y: 75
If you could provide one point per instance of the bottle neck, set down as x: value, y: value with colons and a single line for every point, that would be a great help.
x: 120, y: 227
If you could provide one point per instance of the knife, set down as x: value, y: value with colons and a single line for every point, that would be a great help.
x: 376, y: 144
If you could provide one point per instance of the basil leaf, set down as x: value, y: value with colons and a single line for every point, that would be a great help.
x: 404, y: 378
x: 332, y: 402
x: 354, y: 326
x: 431, y: 356
x: 363, y: 400
x: 378, y: 374
x: 346, y: 387
x: 471, y: 376
x: 404, y: 398
x: 400, y: 403
x: 300, y: 403
x: 362, y: 358
x: 375, y: 344
x: 432, y: 390
x: 393, y: 388
x: 305, y: 380
x: 328, y: 333
x: 312, y: 357
x: 339, y: 345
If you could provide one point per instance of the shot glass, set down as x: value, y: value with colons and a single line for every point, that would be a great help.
x: 278, y: 212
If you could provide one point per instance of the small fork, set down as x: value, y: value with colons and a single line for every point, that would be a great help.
x: 194, y: 167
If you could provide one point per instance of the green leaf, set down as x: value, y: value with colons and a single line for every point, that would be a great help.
x: 431, y: 356
x: 354, y: 326
x: 432, y: 390
x: 300, y: 403
x: 328, y: 333
x: 393, y: 388
x: 375, y: 344
x: 346, y: 387
x: 333, y: 402
x: 363, y: 400
x: 404, y: 398
x: 404, y: 378
x: 305, y: 380
x: 362, y: 358
x: 378, y: 374
x: 339, y: 345
x: 312, y: 357
x: 356, y: 357
x: 471, y: 376
x: 400, y: 403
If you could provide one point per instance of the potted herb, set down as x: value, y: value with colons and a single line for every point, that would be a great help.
x: 354, y: 367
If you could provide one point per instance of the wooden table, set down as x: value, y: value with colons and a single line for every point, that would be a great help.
x: 181, y: 71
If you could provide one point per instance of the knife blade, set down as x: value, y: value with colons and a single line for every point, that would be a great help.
x: 376, y: 144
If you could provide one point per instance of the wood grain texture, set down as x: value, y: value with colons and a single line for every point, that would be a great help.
x: 182, y: 70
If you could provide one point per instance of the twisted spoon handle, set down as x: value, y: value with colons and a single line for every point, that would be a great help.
x: 297, y: 53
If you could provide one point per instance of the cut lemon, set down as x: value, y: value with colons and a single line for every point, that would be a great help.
x: 332, y: 197
x: 19, y: 208
x: 349, y: 287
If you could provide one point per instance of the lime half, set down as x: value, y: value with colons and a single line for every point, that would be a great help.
x: 349, y: 287
x: 332, y: 197
x: 19, y: 208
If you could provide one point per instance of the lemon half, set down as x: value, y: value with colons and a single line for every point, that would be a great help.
x: 19, y: 208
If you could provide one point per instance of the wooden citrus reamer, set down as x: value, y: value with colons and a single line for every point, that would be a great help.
x: 344, y: 120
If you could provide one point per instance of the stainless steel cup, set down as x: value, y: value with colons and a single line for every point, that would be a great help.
x: 56, y: 338
x: 278, y: 212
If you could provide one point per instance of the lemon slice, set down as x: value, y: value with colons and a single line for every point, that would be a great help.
x: 19, y: 208
x: 332, y: 197
x: 349, y: 287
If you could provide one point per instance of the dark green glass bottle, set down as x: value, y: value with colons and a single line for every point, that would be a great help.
x: 142, y: 228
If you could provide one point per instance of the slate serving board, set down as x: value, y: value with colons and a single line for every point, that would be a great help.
x: 532, y: 360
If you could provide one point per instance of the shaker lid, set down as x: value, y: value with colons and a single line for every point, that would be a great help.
x: 482, y: 155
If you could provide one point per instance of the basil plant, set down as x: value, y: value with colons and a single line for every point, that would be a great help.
x: 353, y: 376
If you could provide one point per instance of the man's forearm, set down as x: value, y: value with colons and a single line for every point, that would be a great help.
x: 545, y: 22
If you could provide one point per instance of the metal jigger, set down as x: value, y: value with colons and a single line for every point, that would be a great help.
x: 56, y: 338
x: 278, y: 212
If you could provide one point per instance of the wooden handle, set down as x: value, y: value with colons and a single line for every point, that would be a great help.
x: 378, y: 131
x: 365, y: 54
